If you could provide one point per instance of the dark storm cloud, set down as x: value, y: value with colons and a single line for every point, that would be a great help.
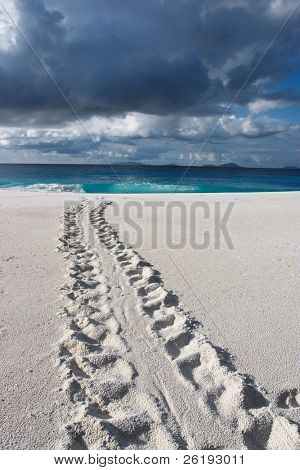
x: 159, y: 57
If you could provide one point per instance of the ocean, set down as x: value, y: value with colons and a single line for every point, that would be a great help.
x: 145, y: 179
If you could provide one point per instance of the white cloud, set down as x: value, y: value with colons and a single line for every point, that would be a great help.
x: 282, y: 7
x: 137, y: 126
x: 250, y: 127
x: 261, y: 105
x: 131, y: 125
x: 8, y: 31
x: 204, y: 157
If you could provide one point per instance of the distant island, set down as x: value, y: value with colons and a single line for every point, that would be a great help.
x: 223, y: 165
x: 230, y: 165
x: 210, y: 165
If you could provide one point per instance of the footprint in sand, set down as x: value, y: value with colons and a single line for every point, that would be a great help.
x: 289, y: 399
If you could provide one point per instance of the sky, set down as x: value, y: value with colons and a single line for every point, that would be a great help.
x: 187, y: 82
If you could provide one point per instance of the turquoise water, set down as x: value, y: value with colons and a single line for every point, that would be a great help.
x: 145, y: 179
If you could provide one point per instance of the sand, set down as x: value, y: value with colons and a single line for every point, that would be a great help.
x: 108, y: 346
x: 31, y: 274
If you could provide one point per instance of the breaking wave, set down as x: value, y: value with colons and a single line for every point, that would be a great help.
x: 53, y: 187
x: 103, y: 188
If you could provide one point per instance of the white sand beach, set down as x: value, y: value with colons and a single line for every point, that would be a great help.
x: 108, y: 346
